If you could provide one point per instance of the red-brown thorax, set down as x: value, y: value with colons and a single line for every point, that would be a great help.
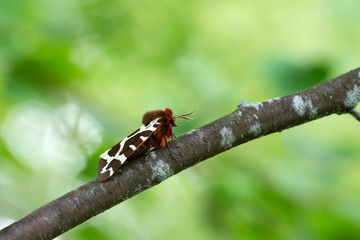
x: 167, y: 123
x: 170, y: 122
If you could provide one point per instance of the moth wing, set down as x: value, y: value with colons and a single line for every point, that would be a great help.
x: 111, y: 160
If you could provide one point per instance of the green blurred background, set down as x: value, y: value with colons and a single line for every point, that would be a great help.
x: 76, y: 77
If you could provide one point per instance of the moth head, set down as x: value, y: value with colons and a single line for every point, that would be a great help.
x: 169, y: 116
x: 168, y: 113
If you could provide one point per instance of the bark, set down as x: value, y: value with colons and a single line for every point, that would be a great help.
x: 249, y: 121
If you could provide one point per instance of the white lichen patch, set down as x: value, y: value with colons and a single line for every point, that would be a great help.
x: 161, y: 171
x: 201, y: 135
x: 255, y: 129
x: 313, y: 111
x: 242, y: 103
x: 191, y: 132
x: 303, y: 104
x: 198, y: 134
x: 273, y: 99
x: 352, y: 97
x: 245, y: 103
x: 153, y: 155
x: 227, y: 137
x: 299, y: 105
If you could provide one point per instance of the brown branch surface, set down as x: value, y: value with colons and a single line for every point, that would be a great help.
x: 355, y: 114
x: 248, y: 122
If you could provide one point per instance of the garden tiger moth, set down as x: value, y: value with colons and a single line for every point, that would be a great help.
x: 156, y: 130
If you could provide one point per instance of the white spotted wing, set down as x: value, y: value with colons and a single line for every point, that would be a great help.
x: 111, y: 160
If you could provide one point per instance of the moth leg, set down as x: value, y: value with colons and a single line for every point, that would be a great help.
x: 169, y: 149
x: 148, y: 147
x: 174, y: 137
x: 176, y: 145
x: 147, y: 154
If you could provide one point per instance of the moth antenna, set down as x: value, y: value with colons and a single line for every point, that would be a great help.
x: 184, y: 116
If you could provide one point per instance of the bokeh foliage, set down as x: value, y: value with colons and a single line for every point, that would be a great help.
x: 76, y: 77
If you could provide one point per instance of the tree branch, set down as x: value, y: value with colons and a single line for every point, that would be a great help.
x: 355, y: 114
x: 248, y: 122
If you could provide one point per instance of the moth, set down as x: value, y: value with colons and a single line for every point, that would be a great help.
x: 155, y: 131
